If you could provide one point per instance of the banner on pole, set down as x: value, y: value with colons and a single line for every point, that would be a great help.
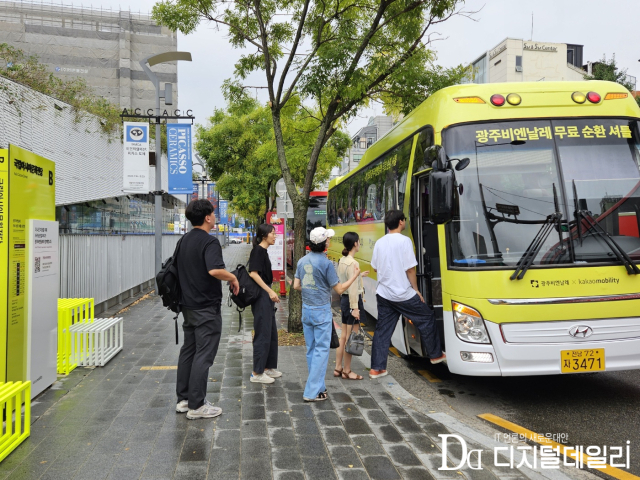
x: 224, y: 205
x: 136, y: 157
x: 194, y: 194
x: 213, y: 198
x: 179, y: 155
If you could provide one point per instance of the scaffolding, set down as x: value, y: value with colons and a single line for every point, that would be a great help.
x: 103, y: 46
x: 49, y: 14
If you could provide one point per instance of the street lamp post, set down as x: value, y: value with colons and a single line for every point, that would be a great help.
x: 145, y: 63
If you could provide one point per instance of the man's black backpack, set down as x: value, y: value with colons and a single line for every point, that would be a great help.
x: 248, y: 293
x: 168, y: 285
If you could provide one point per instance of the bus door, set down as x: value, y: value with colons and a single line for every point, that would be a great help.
x: 425, y: 237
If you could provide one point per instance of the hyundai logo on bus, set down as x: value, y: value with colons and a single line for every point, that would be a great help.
x: 580, y: 331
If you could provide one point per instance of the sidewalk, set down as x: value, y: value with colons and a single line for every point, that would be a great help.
x: 119, y: 422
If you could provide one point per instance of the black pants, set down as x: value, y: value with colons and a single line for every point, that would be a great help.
x: 388, y: 314
x: 202, y: 330
x: 265, y: 340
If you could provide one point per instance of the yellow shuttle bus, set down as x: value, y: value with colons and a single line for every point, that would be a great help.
x: 524, y: 209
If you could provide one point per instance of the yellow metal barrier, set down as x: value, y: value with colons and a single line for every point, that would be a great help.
x: 16, y: 427
x: 70, y: 312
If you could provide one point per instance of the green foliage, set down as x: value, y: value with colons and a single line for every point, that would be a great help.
x: 338, y: 55
x: 29, y: 72
x: 239, y: 148
x: 609, y: 71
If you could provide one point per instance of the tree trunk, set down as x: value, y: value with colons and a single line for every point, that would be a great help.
x: 294, y: 323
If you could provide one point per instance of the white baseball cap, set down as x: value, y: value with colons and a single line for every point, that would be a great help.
x: 320, y: 234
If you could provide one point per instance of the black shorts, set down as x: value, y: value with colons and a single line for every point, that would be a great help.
x: 347, y: 318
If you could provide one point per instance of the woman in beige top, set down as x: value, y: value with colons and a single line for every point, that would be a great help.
x: 350, y: 304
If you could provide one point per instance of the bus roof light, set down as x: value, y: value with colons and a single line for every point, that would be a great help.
x: 468, y: 100
x: 578, y: 97
x: 514, y: 99
x: 497, y: 100
x: 594, y: 97
x: 615, y: 96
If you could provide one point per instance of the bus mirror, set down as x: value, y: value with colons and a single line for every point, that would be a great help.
x: 441, y: 196
x: 462, y: 164
x: 436, y: 157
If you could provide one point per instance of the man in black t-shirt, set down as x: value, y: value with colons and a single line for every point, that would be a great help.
x: 201, y: 271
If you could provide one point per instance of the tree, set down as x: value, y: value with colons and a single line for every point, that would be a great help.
x: 340, y: 54
x: 239, y: 148
x: 28, y: 71
x: 608, y: 70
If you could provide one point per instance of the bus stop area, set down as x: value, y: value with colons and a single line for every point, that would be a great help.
x: 119, y: 421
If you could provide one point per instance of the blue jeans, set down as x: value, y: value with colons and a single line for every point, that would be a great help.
x: 388, y: 312
x: 316, y: 324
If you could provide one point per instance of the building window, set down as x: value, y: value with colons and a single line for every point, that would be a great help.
x: 518, y: 63
x: 574, y: 55
x: 369, y: 142
x: 480, y: 70
x: 357, y: 158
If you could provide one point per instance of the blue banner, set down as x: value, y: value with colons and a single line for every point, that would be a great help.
x: 194, y: 194
x: 212, y: 196
x: 179, y: 155
x: 224, y: 205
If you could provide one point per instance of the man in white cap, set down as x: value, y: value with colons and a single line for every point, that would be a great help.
x: 315, y: 277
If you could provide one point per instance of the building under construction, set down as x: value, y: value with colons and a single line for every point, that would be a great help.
x: 102, y: 46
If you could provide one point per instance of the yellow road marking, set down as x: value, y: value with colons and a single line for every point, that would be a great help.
x: 394, y: 350
x: 568, y: 452
x: 429, y: 376
x: 371, y: 333
x: 160, y: 367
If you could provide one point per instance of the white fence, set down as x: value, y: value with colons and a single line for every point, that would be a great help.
x: 108, y: 267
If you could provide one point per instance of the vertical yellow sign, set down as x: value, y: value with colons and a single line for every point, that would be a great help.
x: 31, y: 196
x: 4, y: 252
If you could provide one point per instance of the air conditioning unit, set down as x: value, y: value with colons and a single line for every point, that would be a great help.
x: 518, y: 69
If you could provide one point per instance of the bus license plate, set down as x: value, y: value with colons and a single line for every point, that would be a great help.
x: 576, y: 361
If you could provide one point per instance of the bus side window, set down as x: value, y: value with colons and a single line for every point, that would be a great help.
x: 425, y: 140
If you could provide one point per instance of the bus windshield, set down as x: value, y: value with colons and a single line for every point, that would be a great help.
x: 521, y: 180
x: 316, y: 213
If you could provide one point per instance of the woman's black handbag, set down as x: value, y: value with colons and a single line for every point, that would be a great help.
x: 248, y: 293
x: 335, y: 340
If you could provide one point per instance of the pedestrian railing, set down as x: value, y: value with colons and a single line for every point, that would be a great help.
x: 71, y: 311
x: 94, y: 344
x: 16, y: 427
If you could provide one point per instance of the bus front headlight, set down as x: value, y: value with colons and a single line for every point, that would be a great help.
x: 469, y: 324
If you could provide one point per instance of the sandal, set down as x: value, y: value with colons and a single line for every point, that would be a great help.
x: 347, y: 375
x: 321, y: 396
x: 338, y: 372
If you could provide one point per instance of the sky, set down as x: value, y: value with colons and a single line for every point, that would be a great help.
x: 582, y: 22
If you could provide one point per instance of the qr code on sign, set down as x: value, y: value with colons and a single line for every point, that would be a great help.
x: 37, y: 269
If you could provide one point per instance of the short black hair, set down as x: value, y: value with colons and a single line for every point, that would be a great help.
x: 318, y: 247
x: 197, y: 210
x: 392, y: 219
x: 261, y: 232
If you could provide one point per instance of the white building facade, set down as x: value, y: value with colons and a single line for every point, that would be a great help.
x: 517, y: 60
x: 376, y: 128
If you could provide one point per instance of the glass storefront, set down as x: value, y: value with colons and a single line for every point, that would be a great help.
x: 127, y: 214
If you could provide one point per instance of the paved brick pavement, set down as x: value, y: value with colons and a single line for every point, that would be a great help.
x: 119, y: 422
